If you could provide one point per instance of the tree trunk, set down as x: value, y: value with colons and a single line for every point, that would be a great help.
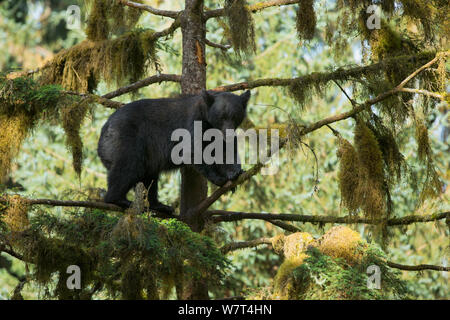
x: 193, y: 80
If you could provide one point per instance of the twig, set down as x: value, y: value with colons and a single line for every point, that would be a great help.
x: 424, y: 92
x: 285, y: 226
x: 217, y: 45
x: 353, y: 102
x: 158, y: 12
x: 253, y: 8
x: 245, y: 244
x: 106, y: 98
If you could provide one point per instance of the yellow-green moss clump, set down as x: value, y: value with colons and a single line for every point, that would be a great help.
x: 15, y: 215
x: 22, y: 104
x: 341, y: 242
x: 13, y: 130
x: 331, y: 267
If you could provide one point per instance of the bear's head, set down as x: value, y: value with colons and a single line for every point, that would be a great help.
x: 225, y: 110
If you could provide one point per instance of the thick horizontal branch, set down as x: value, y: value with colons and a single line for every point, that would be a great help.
x: 419, y: 267
x: 106, y: 101
x: 142, y: 83
x: 158, y: 12
x: 252, y: 8
x: 366, y: 105
x: 69, y: 203
x: 103, y: 101
x: 245, y: 244
x: 338, y: 74
x: 216, y: 216
x: 80, y: 204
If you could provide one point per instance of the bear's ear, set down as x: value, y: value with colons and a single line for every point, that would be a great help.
x: 207, y: 97
x: 245, y: 97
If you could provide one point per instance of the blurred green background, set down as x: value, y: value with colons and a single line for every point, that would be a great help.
x: 31, y: 32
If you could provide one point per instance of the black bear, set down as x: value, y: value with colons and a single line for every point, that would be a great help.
x: 136, y: 144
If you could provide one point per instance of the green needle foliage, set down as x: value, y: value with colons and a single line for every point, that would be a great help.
x: 132, y: 257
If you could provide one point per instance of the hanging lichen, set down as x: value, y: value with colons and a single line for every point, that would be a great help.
x: 242, y: 26
x: 348, y: 175
x: 372, y: 79
x: 370, y: 170
x: 432, y: 185
x: 13, y: 131
x: 121, y: 60
x: 16, y: 214
x: 394, y: 161
x: 22, y: 104
x: 306, y: 20
x: 97, y: 26
x: 72, y: 117
x: 108, y: 17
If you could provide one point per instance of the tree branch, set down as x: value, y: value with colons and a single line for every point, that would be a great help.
x: 217, y: 216
x: 217, y: 45
x: 82, y: 204
x: 205, y: 204
x: 419, y: 267
x: 338, y: 74
x: 268, y: 241
x: 424, y: 92
x: 285, y: 226
x: 106, y: 101
x: 245, y: 244
x: 158, y: 12
x: 253, y: 8
x: 142, y: 83
x: 168, y: 31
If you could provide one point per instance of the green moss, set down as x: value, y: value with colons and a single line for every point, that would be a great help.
x: 133, y: 257
x: 22, y: 103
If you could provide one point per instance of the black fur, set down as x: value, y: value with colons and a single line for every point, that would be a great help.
x: 135, y: 143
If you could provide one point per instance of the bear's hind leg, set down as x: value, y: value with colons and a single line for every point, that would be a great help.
x: 119, y: 183
x: 152, y: 186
